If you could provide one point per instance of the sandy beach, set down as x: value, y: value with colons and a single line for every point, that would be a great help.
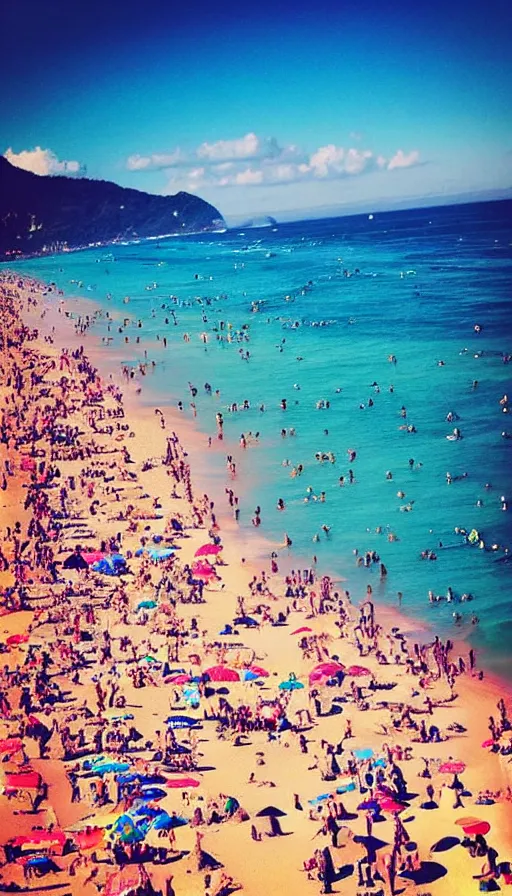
x: 177, y: 720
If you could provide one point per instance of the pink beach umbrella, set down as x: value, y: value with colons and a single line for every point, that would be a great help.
x: 303, y: 628
x: 178, y: 679
x: 325, y: 670
x: 203, y: 570
x: 207, y: 550
x: 222, y: 673
x: 358, y: 671
x: 258, y: 670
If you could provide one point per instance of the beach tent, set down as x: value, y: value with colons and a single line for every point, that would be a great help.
x: 222, y: 673
x: 207, y: 550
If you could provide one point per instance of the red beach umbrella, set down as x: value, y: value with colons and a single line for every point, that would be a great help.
x: 207, y: 550
x: 390, y: 805
x: 182, y: 782
x: 453, y: 767
x: 478, y: 827
x: 467, y: 820
x: 203, y: 570
x: 325, y: 670
x: 303, y: 628
x: 358, y: 671
x: 488, y: 743
x: 222, y: 673
x: 258, y: 670
x: 178, y: 679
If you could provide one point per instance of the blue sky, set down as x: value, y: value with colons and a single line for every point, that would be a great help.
x: 267, y: 108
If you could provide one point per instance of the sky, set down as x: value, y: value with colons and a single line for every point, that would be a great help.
x: 272, y: 108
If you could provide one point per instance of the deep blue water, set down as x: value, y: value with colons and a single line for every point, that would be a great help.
x: 426, y: 277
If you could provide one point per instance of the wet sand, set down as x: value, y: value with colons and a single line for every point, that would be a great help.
x: 222, y: 767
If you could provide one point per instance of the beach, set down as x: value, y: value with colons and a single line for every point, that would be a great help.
x: 314, y: 712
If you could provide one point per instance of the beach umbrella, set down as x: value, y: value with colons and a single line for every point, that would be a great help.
x: 291, y: 685
x: 263, y: 673
x: 152, y: 793
x: 477, y: 827
x: 181, y: 722
x: 178, y: 679
x: 147, y: 605
x: 183, y: 783
x: 299, y: 631
x: 109, y: 765
x: 325, y: 671
x: 452, y: 767
x: 166, y: 822
x: 222, y: 673
x: 488, y: 743
x: 247, y: 675
x: 270, y: 812
x: 207, y: 550
x: 358, y: 671
x: 392, y: 806
x: 466, y: 820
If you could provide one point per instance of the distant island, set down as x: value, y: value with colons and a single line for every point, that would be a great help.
x: 41, y: 214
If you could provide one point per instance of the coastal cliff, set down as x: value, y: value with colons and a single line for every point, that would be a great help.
x: 46, y: 214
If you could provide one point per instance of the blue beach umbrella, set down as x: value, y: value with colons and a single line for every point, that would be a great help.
x: 152, y: 793
x: 247, y: 675
x: 166, y: 822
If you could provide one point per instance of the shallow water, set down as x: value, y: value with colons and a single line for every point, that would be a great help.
x: 426, y: 277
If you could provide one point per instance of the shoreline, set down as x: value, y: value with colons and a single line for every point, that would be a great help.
x: 235, y: 579
x: 256, y: 545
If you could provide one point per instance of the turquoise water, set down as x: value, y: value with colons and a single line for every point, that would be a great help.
x: 426, y: 277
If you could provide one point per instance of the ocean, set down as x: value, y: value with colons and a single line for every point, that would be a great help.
x: 365, y: 326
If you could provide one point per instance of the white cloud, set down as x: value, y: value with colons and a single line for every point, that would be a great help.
x: 247, y: 148
x: 42, y: 161
x: 252, y: 161
x: 404, y: 160
x: 155, y: 161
